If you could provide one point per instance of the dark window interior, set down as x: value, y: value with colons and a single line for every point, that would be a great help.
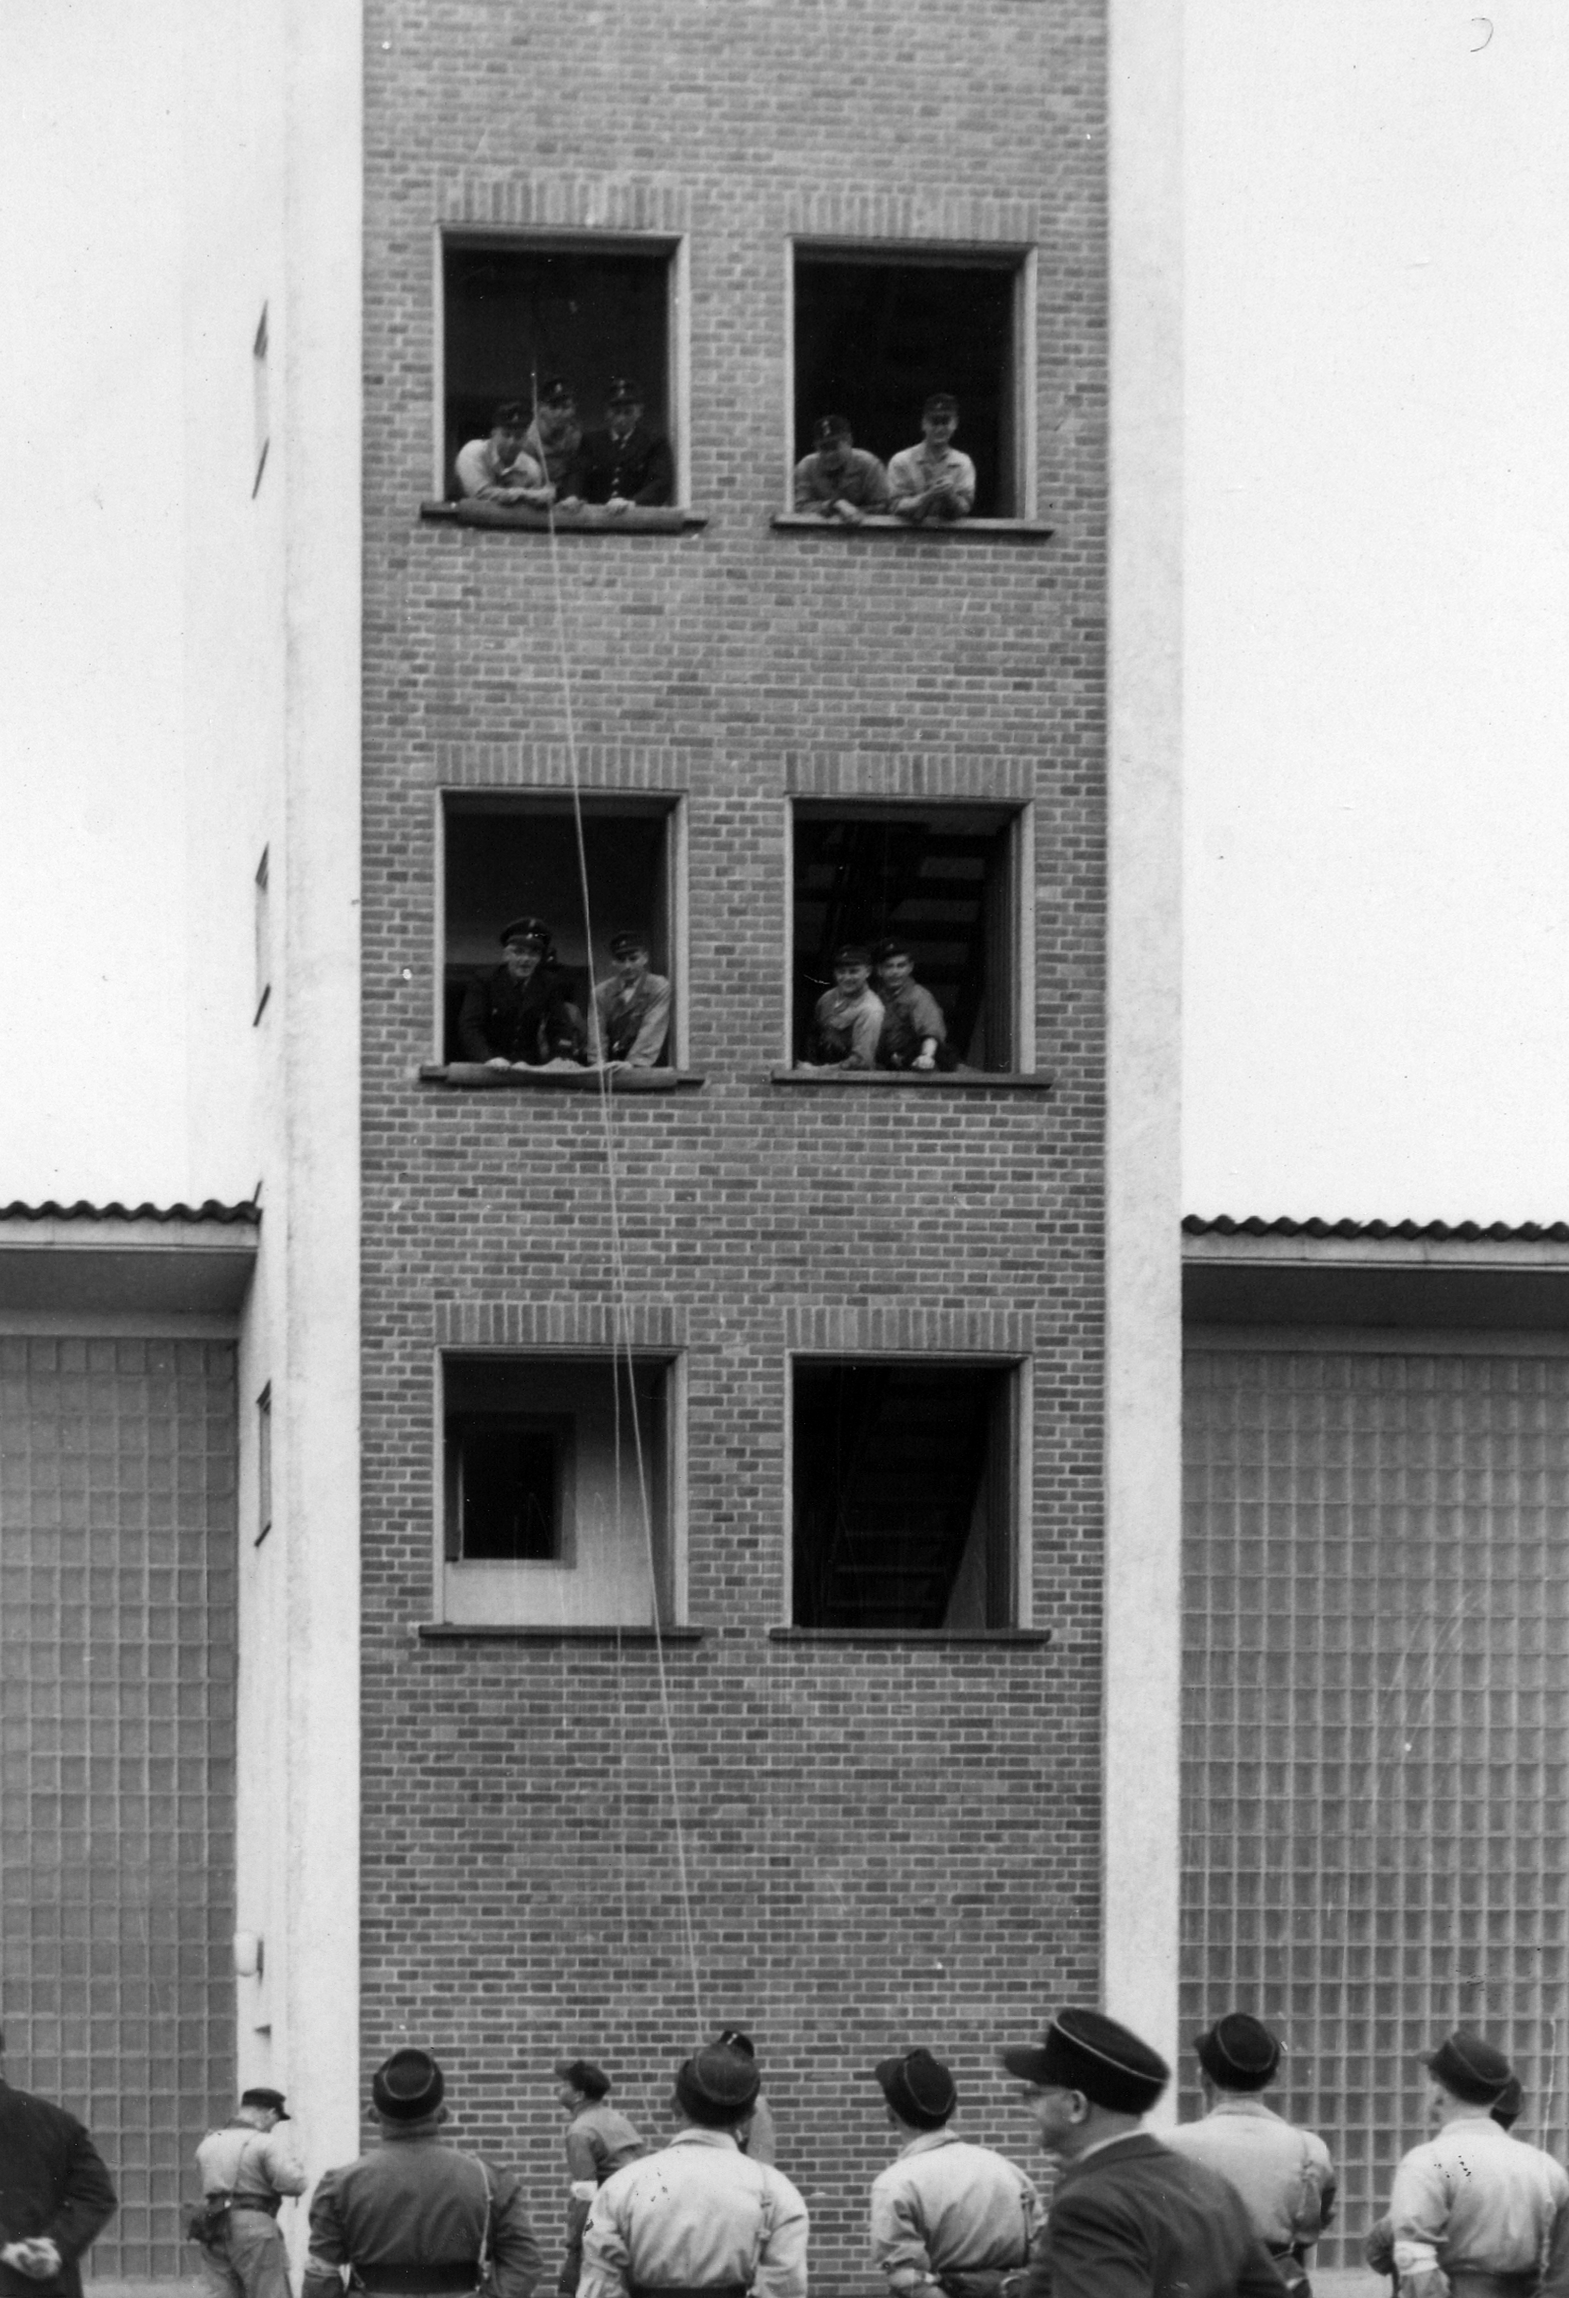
x: 943, y: 878
x: 508, y: 1501
x: 514, y: 314
x: 515, y: 860
x: 903, y: 1481
x: 874, y: 338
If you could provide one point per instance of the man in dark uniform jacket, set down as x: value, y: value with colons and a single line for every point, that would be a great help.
x: 520, y: 1016
x: 1130, y: 2218
x: 416, y: 2218
x: 627, y: 466
x: 55, y: 2195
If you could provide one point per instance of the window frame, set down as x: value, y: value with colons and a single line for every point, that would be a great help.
x: 1022, y: 259
x: 672, y: 1363
x: 1021, y: 1001
x: 1018, y: 1455
x: 579, y: 240
x: 519, y: 798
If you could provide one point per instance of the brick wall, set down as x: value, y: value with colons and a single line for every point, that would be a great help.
x: 117, y: 1480
x: 885, y: 1844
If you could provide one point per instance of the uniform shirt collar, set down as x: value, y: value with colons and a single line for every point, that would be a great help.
x: 1242, y: 2102
x: 695, y: 2134
x: 924, y: 2141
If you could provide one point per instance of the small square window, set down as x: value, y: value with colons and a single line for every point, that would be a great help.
x: 586, y: 996
x: 943, y: 883
x: 263, y: 1465
x: 557, y: 1483
x: 585, y: 310
x: 261, y: 936
x: 877, y: 332
x: 905, y: 1480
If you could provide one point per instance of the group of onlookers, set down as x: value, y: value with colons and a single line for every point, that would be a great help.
x: 542, y: 460
x: 895, y: 1025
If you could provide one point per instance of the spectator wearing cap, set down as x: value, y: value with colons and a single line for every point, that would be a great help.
x: 698, y: 2219
x: 55, y: 2195
x: 759, y: 2138
x: 913, y: 1033
x: 555, y: 441
x: 416, y: 2218
x: 1378, y: 2247
x: 1130, y: 2218
x: 1284, y: 2175
x: 246, y: 2169
x: 520, y: 1016
x: 933, y: 480
x: 500, y: 469
x: 947, y: 2215
x: 1474, y: 2210
x: 627, y: 466
x: 631, y: 1007
x: 847, y: 1020
x: 599, y: 2139
x: 838, y: 479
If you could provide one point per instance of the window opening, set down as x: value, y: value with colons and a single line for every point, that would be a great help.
x: 940, y: 884
x: 544, y: 1518
x: 877, y: 336
x: 262, y: 936
x: 261, y: 419
x: 515, y: 864
x: 263, y: 1465
x: 903, y: 1478
x: 589, y: 329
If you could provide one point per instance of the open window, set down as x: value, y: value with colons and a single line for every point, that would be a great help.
x: 513, y: 856
x: 877, y: 331
x: 905, y: 1478
x: 944, y: 881
x: 557, y: 1503
x: 585, y: 308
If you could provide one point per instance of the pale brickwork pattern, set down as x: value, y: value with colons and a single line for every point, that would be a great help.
x: 886, y: 1842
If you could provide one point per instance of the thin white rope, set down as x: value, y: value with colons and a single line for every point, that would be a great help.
x: 621, y: 1328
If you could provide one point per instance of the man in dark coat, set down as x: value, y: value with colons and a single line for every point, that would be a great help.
x: 1130, y: 2218
x: 520, y: 1016
x: 627, y: 466
x: 55, y: 2196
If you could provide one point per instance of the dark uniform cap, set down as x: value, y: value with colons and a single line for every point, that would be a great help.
x: 941, y: 403
x: 830, y: 427
x: 624, y: 392
x: 584, y: 2076
x: 1507, y: 2106
x: 893, y: 947
x: 1238, y: 2052
x: 717, y: 2084
x: 532, y: 930
x: 622, y: 945
x: 733, y: 2040
x: 1470, y: 2068
x: 852, y: 953
x: 266, y: 2098
x: 918, y: 2087
x: 555, y: 391
x: 1085, y: 2051
x: 408, y: 2086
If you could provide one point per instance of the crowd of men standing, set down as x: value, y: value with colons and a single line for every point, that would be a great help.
x: 1225, y: 2207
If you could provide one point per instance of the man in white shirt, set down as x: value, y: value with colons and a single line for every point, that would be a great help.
x: 699, y: 2217
x: 1284, y: 2175
x: 500, y: 469
x: 246, y: 2169
x: 1476, y: 2212
x: 933, y: 480
x: 949, y: 2218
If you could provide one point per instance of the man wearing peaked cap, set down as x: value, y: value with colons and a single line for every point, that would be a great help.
x: 1284, y: 2175
x: 416, y: 2218
x: 626, y: 466
x: 631, y: 1006
x: 599, y: 2139
x: 1130, y: 2219
x: 246, y: 2169
x: 520, y: 1016
x: 838, y: 479
x: 947, y: 2216
x: 697, y: 2219
x: 1475, y: 2211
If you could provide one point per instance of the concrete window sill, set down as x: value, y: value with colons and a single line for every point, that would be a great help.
x: 945, y: 530
x: 476, y: 1077
x: 593, y: 520
x: 1035, y: 1637
x: 492, y: 1632
x: 921, y: 1080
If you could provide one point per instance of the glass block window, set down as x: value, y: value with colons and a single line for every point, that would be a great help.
x: 117, y: 1570
x: 1376, y: 1732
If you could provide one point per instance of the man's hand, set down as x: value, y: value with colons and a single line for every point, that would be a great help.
x: 38, y: 2258
x: 620, y: 503
x: 498, y: 1061
x: 846, y: 511
x: 924, y: 1061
